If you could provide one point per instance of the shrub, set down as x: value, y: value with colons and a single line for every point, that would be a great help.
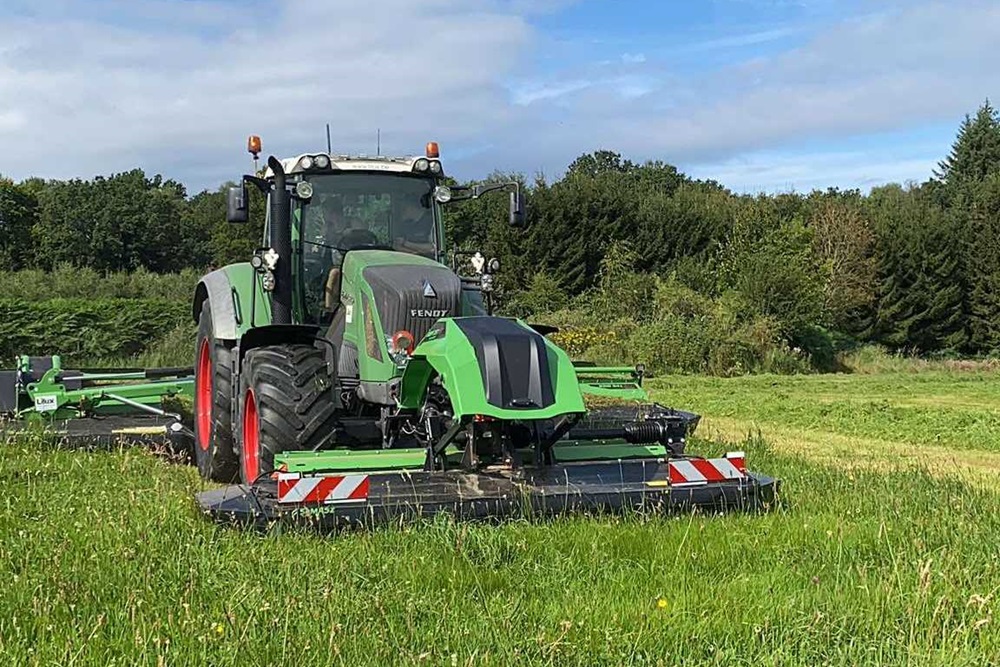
x: 544, y: 295
x: 70, y: 282
x: 670, y: 344
x: 577, y: 340
x: 86, y: 329
x: 819, y: 344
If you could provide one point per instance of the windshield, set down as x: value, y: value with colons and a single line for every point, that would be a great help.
x: 360, y: 210
x: 364, y: 210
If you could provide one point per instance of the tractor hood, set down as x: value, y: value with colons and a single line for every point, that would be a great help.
x: 410, y: 292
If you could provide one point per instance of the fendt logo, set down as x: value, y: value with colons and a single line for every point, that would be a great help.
x: 424, y: 312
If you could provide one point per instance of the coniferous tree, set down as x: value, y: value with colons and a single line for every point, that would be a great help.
x: 976, y: 151
x: 983, y: 263
x: 964, y: 189
x: 921, y: 302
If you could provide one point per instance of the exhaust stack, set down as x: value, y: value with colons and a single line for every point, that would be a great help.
x: 281, y: 241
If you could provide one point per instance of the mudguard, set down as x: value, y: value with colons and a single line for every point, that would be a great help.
x: 238, y: 301
x: 216, y: 289
x: 492, y: 366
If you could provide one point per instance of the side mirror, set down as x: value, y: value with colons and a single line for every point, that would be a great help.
x: 237, y: 208
x: 518, y: 209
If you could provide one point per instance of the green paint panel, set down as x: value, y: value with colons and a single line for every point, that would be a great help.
x: 351, y: 460
x: 452, y: 357
x: 251, y: 303
x: 611, y: 382
x: 609, y: 389
x: 363, y: 327
x: 50, y: 398
x: 606, y: 450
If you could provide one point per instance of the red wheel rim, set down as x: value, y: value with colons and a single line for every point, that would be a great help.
x: 251, y: 439
x: 203, y: 396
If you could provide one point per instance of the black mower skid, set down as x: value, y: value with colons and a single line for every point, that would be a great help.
x: 328, y: 502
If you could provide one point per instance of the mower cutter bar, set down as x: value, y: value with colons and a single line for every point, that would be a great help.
x: 327, y: 502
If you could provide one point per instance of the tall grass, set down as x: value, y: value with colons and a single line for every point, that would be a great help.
x: 97, y: 319
x: 876, y: 359
x: 107, y: 561
x: 957, y: 410
x: 69, y: 282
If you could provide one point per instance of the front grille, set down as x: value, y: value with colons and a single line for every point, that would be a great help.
x: 400, y: 296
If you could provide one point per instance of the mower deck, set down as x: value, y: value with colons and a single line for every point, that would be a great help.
x: 104, y: 432
x: 329, y: 502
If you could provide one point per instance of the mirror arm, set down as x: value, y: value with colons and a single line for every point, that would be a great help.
x: 464, y: 192
x: 480, y: 190
x: 262, y: 184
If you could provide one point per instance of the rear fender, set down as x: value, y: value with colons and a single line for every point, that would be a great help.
x: 492, y: 366
x: 217, y: 290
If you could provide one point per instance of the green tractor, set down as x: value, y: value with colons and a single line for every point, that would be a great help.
x: 348, y: 373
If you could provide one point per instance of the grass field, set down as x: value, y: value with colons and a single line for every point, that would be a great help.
x: 885, y: 549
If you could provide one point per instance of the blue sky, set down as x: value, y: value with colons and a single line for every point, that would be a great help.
x: 761, y: 95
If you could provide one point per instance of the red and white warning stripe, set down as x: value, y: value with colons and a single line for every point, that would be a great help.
x: 703, y: 471
x: 293, y: 488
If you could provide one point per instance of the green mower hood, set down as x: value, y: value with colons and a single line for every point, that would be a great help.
x: 493, y: 367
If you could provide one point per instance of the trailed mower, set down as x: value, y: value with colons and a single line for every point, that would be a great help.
x: 95, y: 407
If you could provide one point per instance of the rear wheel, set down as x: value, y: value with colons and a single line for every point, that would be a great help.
x: 288, y: 402
x: 213, y: 433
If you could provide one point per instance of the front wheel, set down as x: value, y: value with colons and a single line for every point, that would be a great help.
x: 288, y: 402
x: 213, y: 447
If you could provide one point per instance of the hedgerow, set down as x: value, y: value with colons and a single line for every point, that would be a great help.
x: 82, y: 330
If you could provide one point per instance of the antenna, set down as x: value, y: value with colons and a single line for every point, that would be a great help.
x: 329, y: 146
x: 378, y: 142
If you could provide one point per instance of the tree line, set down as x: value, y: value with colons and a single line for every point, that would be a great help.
x: 640, y: 249
x: 912, y: 267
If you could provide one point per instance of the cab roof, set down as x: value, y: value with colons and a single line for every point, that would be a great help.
x: 404, y: 164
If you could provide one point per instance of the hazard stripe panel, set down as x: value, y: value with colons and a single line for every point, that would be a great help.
x: 703, y: 471
x: 293, y: 488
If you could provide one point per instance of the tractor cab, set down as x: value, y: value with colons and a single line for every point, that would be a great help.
x: 358, y: 211
x: 343, y: 203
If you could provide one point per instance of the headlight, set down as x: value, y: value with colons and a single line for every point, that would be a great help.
x: 322, y: 161
x: 435, y: 167
x: 421, y: 164
x: 306, y: 162
x: 442, y: 194
x: 303, y: 190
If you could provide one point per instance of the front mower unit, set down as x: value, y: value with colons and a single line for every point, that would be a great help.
x: 92, y: 407
x: 612, y: 462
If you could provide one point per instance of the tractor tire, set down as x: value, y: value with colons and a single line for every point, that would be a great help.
x: 288, y: 402
x: 213, y: 431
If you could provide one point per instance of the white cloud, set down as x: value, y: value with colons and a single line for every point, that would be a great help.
x: 772, y: 171
x: 102, y: 97
x: 921, y: 64
x: 741, y: 40
x: 102, y: 86
x: 12, y: 120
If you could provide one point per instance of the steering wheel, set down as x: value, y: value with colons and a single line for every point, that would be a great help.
x: 359, y: 237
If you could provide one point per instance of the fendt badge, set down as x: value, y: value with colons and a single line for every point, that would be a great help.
x: 424, y: 312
